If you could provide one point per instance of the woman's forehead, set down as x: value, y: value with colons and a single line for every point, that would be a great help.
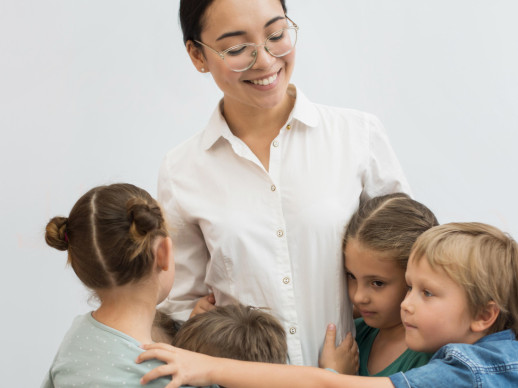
x: 224, y: 16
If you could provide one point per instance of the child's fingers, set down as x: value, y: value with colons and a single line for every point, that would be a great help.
x: 330, y: 339
x: 161, y: 371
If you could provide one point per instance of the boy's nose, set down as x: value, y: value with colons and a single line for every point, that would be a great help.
x: 406, y: 303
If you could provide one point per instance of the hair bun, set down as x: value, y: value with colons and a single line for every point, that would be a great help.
x: 143, y: 217
x: 56, y: 233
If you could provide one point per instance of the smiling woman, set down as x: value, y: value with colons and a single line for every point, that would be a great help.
x: 260, y: 198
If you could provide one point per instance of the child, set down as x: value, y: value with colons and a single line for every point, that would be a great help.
x: 118, y: 246
x: 235, y: 331
x: 377, y: 243
x: 461, y: 304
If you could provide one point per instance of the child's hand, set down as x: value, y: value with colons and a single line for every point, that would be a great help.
x: 342, y: 358
x: 183, y: 366
x: 203, y: 305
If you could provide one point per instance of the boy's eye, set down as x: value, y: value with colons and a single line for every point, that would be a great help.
x: 378, y: 283
x: 408, y: 288
x: 350, y: 276
x: 427, y: 293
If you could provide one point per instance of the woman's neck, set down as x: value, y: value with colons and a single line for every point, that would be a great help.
x: 248, y: 121
x: 257, y: 127
x: 129, y: 309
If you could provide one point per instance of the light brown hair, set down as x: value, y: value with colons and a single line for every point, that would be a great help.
x: 480, y: 258
x: 109, y: 235
x: 235, y: 331
x: 390, y: 223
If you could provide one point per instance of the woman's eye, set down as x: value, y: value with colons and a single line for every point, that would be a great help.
x: 277, y: 36
x: 408, y: 288
x: 350, y: 276
x: 236, y: 51
x: 427, y: 293
x: 378, y: 283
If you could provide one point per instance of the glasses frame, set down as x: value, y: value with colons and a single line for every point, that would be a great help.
x: 222, y: 54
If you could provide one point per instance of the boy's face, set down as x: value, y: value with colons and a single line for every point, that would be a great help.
x: 435, y: 310
x: 376, y: 285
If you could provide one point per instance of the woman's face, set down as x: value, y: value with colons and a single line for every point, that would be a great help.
x: 230, y: 22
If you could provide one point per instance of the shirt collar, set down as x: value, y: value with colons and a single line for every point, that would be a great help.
x: 303, y: 111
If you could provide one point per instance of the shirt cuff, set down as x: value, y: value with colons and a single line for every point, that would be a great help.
x: 399, y: 380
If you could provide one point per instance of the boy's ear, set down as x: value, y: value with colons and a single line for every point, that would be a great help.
x: 163, y: 252
x: 485, y: 318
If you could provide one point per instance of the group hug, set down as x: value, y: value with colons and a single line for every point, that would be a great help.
x: 284, y: 247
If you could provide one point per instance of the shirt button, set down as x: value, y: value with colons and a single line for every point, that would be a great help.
x: 286, y: 280
x: 288, y: 127
x: 273, y: 188
x: 275, y: 143
x: 293, y: 330
x: 280, y: 233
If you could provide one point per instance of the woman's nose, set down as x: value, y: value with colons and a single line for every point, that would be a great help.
x: 263, y: 59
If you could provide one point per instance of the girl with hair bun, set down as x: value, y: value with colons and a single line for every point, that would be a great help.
x: 118, y: 246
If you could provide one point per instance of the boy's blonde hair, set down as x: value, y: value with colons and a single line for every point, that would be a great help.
x: 481, y: 259
x: 235, y: 331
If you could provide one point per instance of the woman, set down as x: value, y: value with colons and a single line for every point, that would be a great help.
x: 259, y: 199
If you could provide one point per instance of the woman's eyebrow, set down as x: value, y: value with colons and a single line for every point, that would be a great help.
x: 239, y: 33
x: 274, y: 20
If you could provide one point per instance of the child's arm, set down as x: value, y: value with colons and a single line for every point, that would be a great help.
x: 198, y: 369
x: 342, y: 358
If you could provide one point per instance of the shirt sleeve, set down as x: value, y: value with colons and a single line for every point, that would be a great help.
x: 437, y: 373
x: 190, y: 252
x: 384, y: 174
x: 47, y: 382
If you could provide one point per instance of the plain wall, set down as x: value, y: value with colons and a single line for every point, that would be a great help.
x: 95, y: 92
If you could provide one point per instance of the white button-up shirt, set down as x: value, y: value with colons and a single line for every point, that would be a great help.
x: 274, y: 238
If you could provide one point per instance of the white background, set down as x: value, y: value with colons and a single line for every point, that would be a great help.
x: 95, y: 92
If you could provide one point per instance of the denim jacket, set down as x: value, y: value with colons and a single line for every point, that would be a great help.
x: 492, y: 361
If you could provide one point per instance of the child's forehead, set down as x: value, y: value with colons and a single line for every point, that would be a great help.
x: 420, y: 267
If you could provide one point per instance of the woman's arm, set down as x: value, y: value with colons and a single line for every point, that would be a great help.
x: 198, y: 369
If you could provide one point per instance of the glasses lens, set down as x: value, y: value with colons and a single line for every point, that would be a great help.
x: 240, y: 57
x: 282, y: 42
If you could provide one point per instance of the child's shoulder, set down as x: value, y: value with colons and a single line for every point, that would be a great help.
x: 497, y: 349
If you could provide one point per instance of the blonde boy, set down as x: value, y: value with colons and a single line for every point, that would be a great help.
x: 462, y: 304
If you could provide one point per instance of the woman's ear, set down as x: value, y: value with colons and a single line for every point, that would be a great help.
x: 197, y: 56
x: 163, y: 253
x: 485, y: 318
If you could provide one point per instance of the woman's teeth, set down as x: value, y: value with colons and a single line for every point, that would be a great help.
x: 264, y: 82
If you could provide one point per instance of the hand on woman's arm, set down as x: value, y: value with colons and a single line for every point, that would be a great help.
x: 342, y: 358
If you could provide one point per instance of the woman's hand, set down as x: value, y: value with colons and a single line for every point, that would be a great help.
x: 183, y: 366
x: 203, y: 305
x: 342, y: 358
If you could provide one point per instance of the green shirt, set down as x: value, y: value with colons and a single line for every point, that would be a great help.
x: 365, y: 336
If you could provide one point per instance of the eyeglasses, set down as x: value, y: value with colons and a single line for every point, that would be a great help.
x: 242, y: 57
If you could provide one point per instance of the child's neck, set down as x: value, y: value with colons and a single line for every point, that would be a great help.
x: 388, y: 345
x: 129, y: 309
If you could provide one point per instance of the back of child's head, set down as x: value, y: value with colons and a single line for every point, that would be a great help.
x: 390, y: 223
x: 109, y: 235
x: 480, y: 258
x: 235, y: 331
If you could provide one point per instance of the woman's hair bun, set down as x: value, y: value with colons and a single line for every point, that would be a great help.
x: 56, y: 233
x: 144, y: 217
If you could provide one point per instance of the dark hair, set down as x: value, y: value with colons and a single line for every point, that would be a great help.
x: 235, y: 331
x: 390, y: 223
x: 109, y: 235
x: 191, y: 16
